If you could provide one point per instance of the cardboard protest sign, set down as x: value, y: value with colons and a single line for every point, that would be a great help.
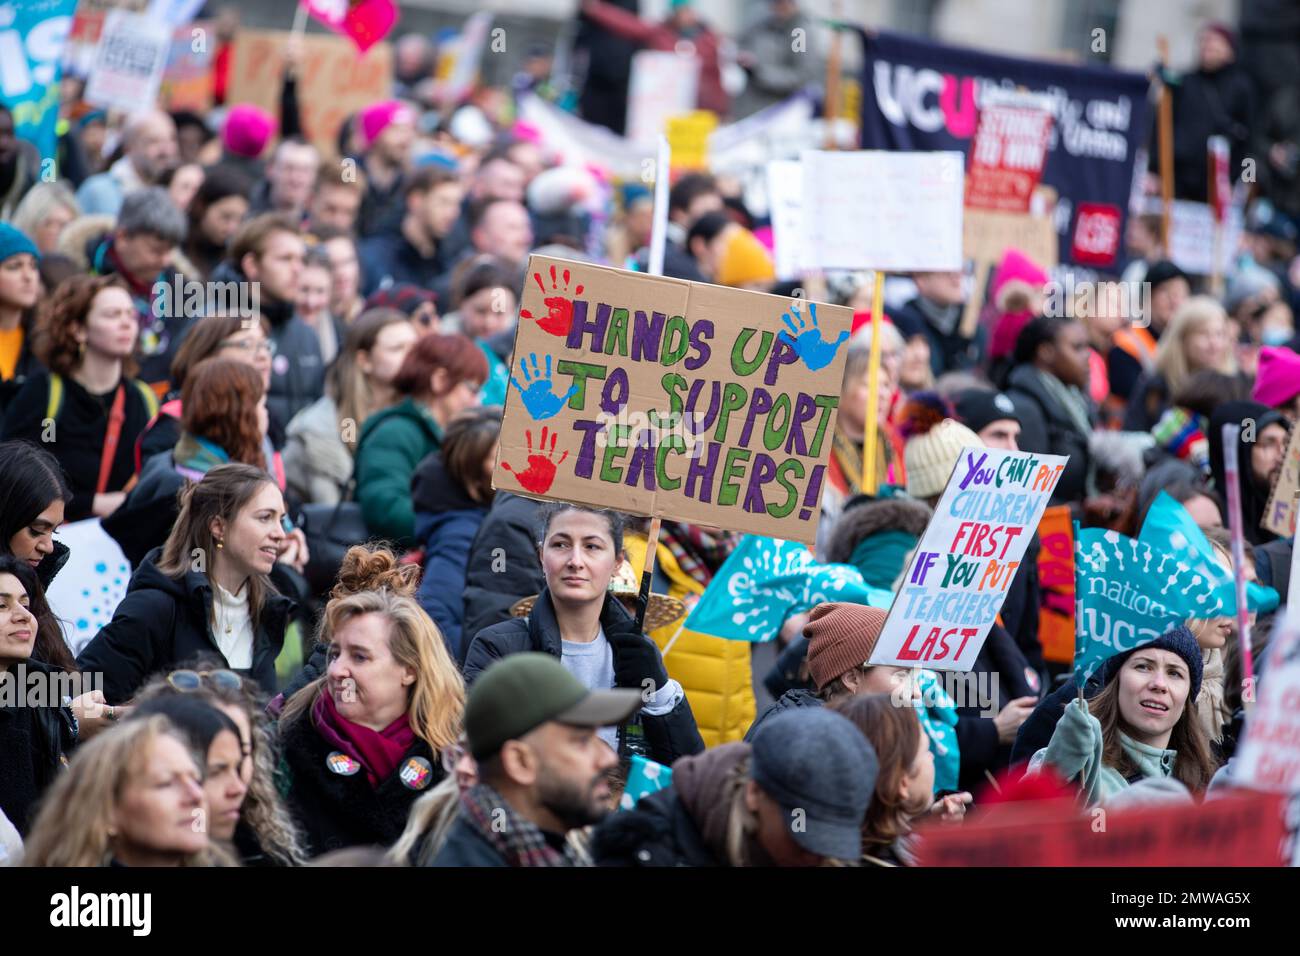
x: 656, y: 396
x: 1280, y: 512
x: 958, y: 577
x: 32, y: 42
x: 987, y: 235
x: 1192, y: 244
x: 662, y: 84
x: 871, y: 209
x: 1008, y: 151
x: 333, y: 82
x: 1245, y: 830
x: 129, y: 62
x: 1056, y: 581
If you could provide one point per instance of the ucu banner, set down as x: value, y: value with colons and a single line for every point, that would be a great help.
x: 919, y: 95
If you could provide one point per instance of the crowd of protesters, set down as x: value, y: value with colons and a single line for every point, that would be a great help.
x: 339, y: 637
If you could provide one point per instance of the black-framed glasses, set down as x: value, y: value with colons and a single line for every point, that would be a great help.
x: 188, y: 681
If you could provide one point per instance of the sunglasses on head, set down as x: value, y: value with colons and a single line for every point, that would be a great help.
x: 188, y: 681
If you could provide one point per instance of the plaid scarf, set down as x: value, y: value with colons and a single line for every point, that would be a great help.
x: 520, y: 841
x: 698, y: 553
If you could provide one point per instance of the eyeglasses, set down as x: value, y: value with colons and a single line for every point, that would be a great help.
x: 187, y: 681
x: 248, y: 345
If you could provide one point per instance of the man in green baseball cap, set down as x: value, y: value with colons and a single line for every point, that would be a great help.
x: 542, y: 769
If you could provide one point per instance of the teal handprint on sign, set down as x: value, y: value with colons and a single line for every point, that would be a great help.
x: 537, y: 392
x: 807, y: 342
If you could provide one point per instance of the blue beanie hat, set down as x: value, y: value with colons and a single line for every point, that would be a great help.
x: 1180, y: 641
x: 14, y: 242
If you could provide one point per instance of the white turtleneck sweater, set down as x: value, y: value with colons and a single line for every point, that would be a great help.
x: 233, y: 627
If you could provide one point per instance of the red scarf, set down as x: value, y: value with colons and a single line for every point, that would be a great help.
x: 378, y: 751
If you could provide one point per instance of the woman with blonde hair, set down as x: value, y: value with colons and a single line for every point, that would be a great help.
x: 43, y: 213
x: 133, y: 796
x: 1197, y: 339
x: 362, y: 742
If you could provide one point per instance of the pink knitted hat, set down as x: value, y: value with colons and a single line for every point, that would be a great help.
x: 247, y: 130
x: 377, y: 117
x: 1277, y: 381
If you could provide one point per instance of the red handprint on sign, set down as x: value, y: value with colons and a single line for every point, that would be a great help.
x: 540, y: 473
x: 559, y: 308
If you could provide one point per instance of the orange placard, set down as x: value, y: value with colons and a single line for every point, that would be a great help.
x: 1056, y: 581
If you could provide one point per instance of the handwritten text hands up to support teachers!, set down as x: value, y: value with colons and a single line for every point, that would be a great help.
x: 676, y: 398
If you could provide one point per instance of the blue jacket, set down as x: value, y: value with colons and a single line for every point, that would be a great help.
x: 447, y: 520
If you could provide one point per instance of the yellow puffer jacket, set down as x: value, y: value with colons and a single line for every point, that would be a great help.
x: 716, y: 674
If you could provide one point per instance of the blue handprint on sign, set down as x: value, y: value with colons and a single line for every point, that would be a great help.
x: 807, y: 342
x: 540, y: 401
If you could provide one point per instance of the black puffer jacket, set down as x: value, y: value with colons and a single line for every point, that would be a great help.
x: 503, y: 565
x: 163, y: 622
x: 34, y: 745
x: 1046, y: 428
x: 336, y: 811
x: 669, y: 736
x: 790, y: 700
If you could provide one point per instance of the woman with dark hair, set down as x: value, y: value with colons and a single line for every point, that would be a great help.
x: 1261, y: 451
x: 224, y: 419
x: 218, y: 336
x: 452, y: 491
x: 486, y: 307
x: 322, y: 437
x: 578, y: 620
x: 215, y: 213
x: 440, y: 378
x: 206, y: 591
x: 86, y: 336
x: 266, y: 834
x: 33, y: 498
x: 1141, y: 725
x: 34, y: 740
x: 1048, y: 385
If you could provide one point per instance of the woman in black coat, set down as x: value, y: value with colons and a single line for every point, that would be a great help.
x: 576, y: 619
x: 205, y: 591
x: 360, y: 744
x: 35, y: 735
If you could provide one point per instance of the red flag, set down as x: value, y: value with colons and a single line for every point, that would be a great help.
x: 365, y: 22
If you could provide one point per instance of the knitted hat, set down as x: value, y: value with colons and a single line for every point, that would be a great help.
x: 1278, y: 380
x: 821, y: 771
x: 744, y: 260
x: 403, y: 296
x: 377, y: 117
x: 933, y: 443
x: 1246, y: 284
x: 978, y: 408
x: 14, y: 242
x: 1161, y: 272
x: 840, y: 637
x: 247, y: 129
x: 1180, y: 641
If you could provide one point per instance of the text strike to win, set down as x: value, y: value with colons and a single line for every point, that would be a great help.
x: 794, y: 426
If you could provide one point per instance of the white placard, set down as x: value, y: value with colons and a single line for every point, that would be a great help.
x: 129, y: 62
x: 1269, y: 757
x: 1191, y: 237
x: 875, y: 209
x: 662, y: 84
x: 91, y: 583
x: 785, y: 206
x: 957, y: 580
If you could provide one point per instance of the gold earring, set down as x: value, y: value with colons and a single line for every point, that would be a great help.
x: 219, y: 546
